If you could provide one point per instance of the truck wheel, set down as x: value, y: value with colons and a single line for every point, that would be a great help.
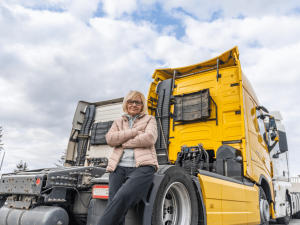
x: 263, y: 208
x: 287, y: 218
x: 176, y: 200
x: 298, y: 215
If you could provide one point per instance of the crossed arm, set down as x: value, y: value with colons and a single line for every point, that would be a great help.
x: 114, y: 137
x: 143, y: 139
x: 133, y: 138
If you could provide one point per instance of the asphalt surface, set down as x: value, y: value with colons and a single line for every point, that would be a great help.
x: 293, y: 221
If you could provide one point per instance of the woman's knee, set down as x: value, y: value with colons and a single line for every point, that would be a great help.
x: 126, y: 194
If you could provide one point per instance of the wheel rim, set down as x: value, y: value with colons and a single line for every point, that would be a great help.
x: 176, y: 207
x: 264, y: 210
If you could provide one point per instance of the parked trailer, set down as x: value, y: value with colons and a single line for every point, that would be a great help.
x: 213, y: 149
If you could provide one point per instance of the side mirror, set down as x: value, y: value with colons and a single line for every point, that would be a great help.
x: 272, y: 122
x: 283, y: 146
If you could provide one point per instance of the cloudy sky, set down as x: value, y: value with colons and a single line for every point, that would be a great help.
x: 54, y: 53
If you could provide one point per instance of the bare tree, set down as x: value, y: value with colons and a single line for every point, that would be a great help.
x: 21, y: 166
x: 61, y: 161
x: 1, y: 144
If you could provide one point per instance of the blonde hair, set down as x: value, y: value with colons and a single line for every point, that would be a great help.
x: 133, y: 95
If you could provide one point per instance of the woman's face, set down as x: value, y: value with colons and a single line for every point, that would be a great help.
x: 133, y: 107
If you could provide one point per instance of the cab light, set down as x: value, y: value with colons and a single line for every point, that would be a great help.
x: 100, y: 191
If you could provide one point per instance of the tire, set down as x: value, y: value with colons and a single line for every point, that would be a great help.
x: 263, y: 208
x: 176, y: 200
x: 287, y: 218
x: 298, y: 215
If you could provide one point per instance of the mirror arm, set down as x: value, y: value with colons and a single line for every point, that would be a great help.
x: 262, y: 108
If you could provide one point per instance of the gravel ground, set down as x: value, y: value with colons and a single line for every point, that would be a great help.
x: 293, y: 221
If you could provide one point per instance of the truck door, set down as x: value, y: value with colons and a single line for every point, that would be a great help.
x: 258, y: 144
x: 263, y: 141
x: 258, y: 159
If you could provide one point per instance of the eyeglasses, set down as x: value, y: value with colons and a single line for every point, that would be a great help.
x: 137, y: 103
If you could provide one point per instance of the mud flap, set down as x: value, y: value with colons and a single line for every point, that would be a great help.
x: 201, y: 206
x: 146, y: 205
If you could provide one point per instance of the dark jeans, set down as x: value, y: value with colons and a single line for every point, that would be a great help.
x: 127, y: 186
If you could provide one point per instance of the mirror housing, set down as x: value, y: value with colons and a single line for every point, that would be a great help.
x: 272, y: 122
x: 283, y: 146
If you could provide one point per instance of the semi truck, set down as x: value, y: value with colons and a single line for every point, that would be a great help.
x: 287, y: 202
x: 219, y: 151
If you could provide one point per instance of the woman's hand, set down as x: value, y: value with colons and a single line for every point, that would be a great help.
x: 144, y: 138
x: 116, y: 137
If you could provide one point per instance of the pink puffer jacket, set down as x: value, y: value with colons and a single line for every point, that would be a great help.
x: 141, y: 138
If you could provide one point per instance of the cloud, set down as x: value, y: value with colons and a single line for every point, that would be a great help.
x: 116, y: 8
x: 55, y: 53
x: 207, y: 10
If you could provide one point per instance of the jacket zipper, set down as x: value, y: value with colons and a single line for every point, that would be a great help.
x: 133, y: 148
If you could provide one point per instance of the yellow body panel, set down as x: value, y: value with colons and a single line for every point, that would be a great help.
x: 212, y: 195
x: 253, y: 214
x: 229, y: 203
x: 226, y: 202
x: 234, y: 204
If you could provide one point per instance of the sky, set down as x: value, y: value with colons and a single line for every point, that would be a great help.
x: 54, y: 53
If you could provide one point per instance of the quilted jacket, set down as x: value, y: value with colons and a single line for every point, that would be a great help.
x: 141, y: 138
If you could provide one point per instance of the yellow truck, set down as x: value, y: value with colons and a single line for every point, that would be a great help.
x: 225, y: 121
x: 213, y: 149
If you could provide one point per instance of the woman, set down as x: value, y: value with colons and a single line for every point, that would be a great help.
x: 133, y: 161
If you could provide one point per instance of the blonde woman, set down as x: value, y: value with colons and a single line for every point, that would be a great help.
x: 133, y: 161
